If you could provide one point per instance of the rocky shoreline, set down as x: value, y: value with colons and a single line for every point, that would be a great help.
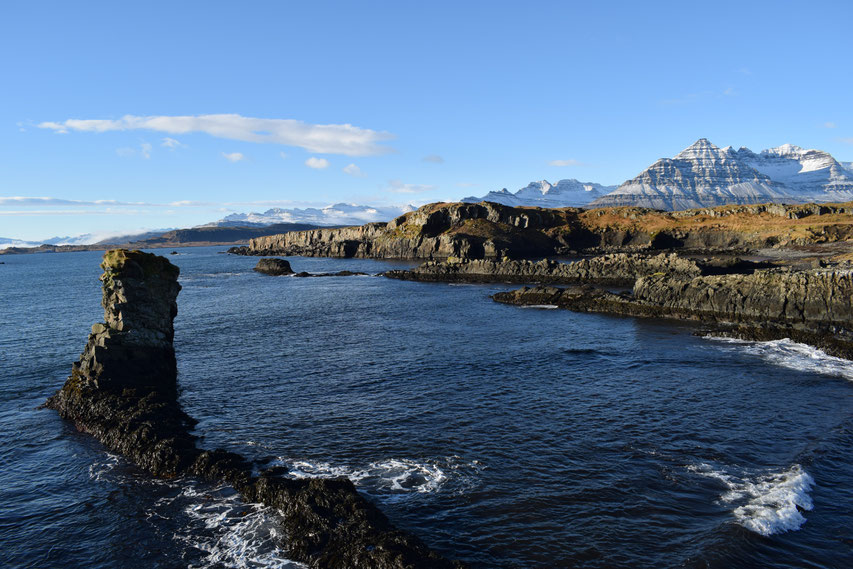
x: 811, y: 306
x: 123, y: 391
x: 617, y: 269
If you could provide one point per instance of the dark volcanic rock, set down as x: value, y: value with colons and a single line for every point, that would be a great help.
x: 124, y: 392
x: 274, y: 267
x: 813, y: 306
x: 304, y: 274
x: 614, y: 269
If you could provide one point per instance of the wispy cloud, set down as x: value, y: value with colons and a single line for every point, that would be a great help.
x: 829, y: 124
x: 233, y: 156
x: 568, y: 162
x: 27, y: 201
x: 317, y: 163
x: 144, y: 151
x: 434, y: 158
x: 398, y: 187
x: 846, y: 140
x: 324, y: 138
x: 171, y: 143
x: 354, y: 171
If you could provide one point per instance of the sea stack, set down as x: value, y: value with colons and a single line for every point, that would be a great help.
x: 123, y: 391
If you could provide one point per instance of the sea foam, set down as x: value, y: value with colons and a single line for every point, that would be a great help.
x: 768, y: 503
x: 793, y: 355
x: 390, y: 476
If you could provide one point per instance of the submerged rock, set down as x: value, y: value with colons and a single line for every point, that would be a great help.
x: 123, y: 391
x: 274, y: 267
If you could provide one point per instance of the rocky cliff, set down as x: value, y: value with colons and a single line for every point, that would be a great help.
x: 494, y: 231
x: 812, y: 306
x: 123, y: 391
x: 614, y: 269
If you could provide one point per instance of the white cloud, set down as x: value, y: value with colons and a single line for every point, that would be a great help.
x: 26, y: 201
x: 145, y: 150
x: 569, y: 162
x: 233, y: 156
x: 283, y: 155
x: 317, y: 163
x: 171, y: 143
x: 829, y: 124
x: 354, y: 170
x: 325, y: 138
x: 846, y: 140
x: 434, y: 158
x: 398, y: 187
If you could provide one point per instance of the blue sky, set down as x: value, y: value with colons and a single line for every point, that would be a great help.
x: 442, y: 99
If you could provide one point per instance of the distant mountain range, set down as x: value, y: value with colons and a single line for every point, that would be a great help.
x: 565, y: 193
x: 335, y: 214
x: 705, y: 175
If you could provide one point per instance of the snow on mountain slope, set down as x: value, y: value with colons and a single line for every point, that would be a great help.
x: 335, y: 214
x: 565, y: 193
x: 701, y: 175
x: 706, y: 175
x: 813, y: 175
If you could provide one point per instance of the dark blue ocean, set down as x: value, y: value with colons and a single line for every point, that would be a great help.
x: 507, y: 437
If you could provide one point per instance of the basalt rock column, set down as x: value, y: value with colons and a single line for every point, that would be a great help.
x: 123, y: 389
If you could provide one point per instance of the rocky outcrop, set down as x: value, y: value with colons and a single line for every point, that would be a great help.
x: 273, y: 267
x: 811, y: 306
x: 436, y: 231
x: 615, y: 269
x: 493, y: 231
x: 123, y: 391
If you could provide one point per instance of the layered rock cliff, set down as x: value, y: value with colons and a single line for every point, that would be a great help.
x: 812, y: 306
x: 493, y: 231
x: 615, y: 269
x: 123, y: 390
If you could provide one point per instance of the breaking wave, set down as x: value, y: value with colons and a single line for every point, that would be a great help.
x: 394, y: 476
x: 768, y: 503
x: 215, y: 526
x: 793, y: 355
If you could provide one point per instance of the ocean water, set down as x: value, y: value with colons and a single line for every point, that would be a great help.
x: 507, y: 437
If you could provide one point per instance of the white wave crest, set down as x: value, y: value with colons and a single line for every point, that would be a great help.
x: 541, y: 306
x: 793, y: 355
x: 234, y: 534
x: 768, y: 503
x: 388, y: 476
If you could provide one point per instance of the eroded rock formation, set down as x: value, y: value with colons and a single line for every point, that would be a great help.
x: 813, y: 306
x: 493, y: 231
x: 615, y: 269
x: 123, y: 391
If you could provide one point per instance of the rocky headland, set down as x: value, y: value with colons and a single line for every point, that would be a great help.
x: 810, y: 306
x: 123, y: 391
x: 493, y: 231
x: 620, y: 269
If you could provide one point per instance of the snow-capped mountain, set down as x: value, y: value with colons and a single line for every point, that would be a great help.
x: 814, y: 174
x: 705, y: 175
x: 565, y: 193
x: 335, y: 214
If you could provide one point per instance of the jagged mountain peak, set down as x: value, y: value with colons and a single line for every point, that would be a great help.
x: 704, y: 149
